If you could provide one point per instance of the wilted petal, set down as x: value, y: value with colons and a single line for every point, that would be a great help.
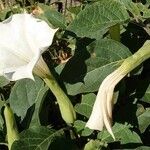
x: 23, y: 39
x: 96, y: 121
x: 102, y: 110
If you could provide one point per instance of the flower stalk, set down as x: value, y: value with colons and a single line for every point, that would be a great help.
x: 65, y: 105
x: 101, y: 115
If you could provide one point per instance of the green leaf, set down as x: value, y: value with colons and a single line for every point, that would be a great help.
x: 143, y: 120
x: 148, y: 2
x: 3, y: 81
x: 38, y: 104
x: 142, y: 93
x: 81, y: 129
x: 25, y: 94
x: 105, y: 57
x: 75, y: 10
x: 52, y: 16
x: 145, y: 10
x: 138, y: 10
x: 143, y: 148
x: 96, y: 18
x: 94, y: 145
x: 132, y: 7
x: 4, y: 13
x: 146, y: 97
x: 86, y: 105
x: 37, y: 138
x: 122, y: 134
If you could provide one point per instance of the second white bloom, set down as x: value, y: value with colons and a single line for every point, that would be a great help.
x: 102, y: 110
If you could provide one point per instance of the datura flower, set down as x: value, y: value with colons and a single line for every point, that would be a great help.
x: 102, y: 110
x: 23, y: 39
x: 101, y: 115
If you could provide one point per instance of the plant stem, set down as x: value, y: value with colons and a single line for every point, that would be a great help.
x: 12, y: 132
x: 65, y: 105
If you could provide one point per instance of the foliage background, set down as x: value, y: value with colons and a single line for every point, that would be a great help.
x: 83, y: 53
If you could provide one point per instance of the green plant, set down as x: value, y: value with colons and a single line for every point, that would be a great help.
x: 95, y: 40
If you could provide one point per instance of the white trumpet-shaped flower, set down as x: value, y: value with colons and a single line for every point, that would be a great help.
x: 22, y: 40
x: 101, y: 115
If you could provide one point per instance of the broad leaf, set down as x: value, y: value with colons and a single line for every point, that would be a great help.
x: 104, y: 57
x: 25, y: 94
x: 138, y: 10
x: 81, y: 129
x: 3, y: 81
x: 75, y: 10
x: 38, y: 105
x: 96, y: 18
x: 143, y: 148
x: 143, y: 120
x: 122, y: 134
x: 94, y: 145
x: 4, y: 14
x: 52, y: 16
x: 86, y: 105
x: 146, y: 97
x: 145, y: 10
x: 131, y: 6
x: 37, y: 138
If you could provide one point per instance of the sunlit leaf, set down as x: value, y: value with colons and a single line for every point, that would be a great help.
x: 81, y: 129
x: 122, y: 134
x: 86, y: 105
x: 144, y: 120
x: 3, y: 81
x: 96, y: 18
x: 37, y: 138
x: 101, y: 60
x: 94, y: 145
x: 52, y: 16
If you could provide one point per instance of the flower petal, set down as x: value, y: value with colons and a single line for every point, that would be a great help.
x: 103, y: 104
x: 42, y: 34
x: 19, y: 69
x: 23, y: 39
x: 96, y: 121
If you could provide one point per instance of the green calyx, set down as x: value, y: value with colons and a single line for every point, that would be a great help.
x: 136, y: 59
x: 65, y: 105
